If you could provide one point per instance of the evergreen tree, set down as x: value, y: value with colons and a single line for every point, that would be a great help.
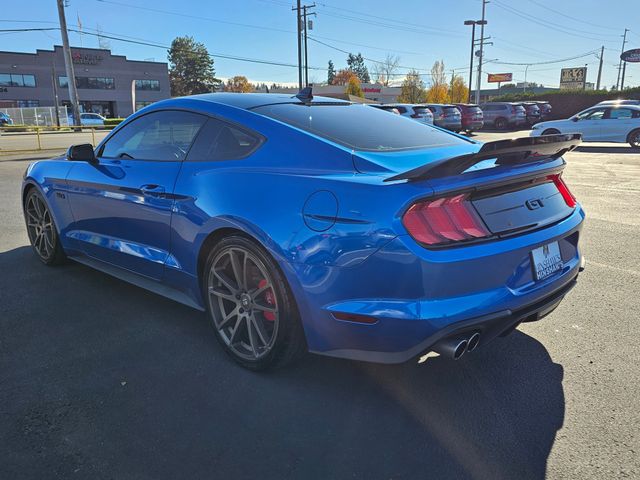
x: 331, y: 73
x: 356, y: 65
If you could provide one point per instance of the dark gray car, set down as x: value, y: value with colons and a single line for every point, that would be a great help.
x: 502, y: 115
x: 446, y: 116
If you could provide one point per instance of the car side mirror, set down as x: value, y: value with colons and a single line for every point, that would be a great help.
x: 574, y: 119
x: 81, y: 153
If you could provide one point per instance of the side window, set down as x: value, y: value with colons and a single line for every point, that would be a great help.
x: 620, y: 113
x: 219, y: 140
x: 164, y: 136
x: 597, y: 114
x: 402, y: 109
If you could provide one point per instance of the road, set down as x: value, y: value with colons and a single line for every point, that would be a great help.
x: 100, y: 379
x: 51, y: 142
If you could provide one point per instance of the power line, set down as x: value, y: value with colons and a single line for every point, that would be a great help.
x: 545, y: 23
x: 571, y: 17
x: 196, y: 17
x: 593, y: 52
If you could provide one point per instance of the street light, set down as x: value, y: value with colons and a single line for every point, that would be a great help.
x: 473, y: 24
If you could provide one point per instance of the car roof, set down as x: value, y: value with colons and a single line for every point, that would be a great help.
x: 248, y: 101
x: 620, y: 102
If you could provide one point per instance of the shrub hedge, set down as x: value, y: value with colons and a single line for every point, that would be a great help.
x: 112, y: 122
x: 566, y: 103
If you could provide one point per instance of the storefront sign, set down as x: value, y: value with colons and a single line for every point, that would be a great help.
x: 573, y: 78
x: 632, y: 56
x: 500, y: 77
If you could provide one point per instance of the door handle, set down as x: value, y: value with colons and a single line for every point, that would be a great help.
x: 152, y: 190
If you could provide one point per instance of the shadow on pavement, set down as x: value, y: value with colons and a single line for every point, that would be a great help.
x: 99, y: 379
x: 623, y: 148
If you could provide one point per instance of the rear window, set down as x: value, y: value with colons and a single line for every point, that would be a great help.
x: 359, y: 127
x: 422, y: 110
x: 472, y: 110
x: 450, y: 110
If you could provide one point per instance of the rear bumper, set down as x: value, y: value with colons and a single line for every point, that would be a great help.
x: 473, y: 125
x: 415, y: 296
x: 489, y: 327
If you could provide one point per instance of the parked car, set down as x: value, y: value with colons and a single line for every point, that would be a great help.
x: 472, y: 117
x: 386, y: 108
x: 503, y: 115
x: 89, y: 119
x: 316, y: 224
x: 545, y: 109
x: 532, y: 110
x: 600, y: 123
x: 5, y: 119
x: 619, y: 102
x: 417, y: 112
x: 446, y: 116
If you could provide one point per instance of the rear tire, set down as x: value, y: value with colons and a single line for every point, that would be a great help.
x: 253, y: 312
x: 42, y: 231
x: 550, y: 131
x: 634, y: 138
x: 500, y: 123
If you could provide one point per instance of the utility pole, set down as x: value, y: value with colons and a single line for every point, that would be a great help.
x: 306, y: 54
x: 298, y: 25
x: 600, y: 68
x: 56, y: 101
x: 68, y: 64
x: 484, y: 4
x: 624, y: 41
x: 473, y: 44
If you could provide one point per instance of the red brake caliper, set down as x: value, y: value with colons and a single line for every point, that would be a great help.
x: 268, y: 296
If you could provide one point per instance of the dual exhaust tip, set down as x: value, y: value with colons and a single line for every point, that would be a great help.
x: 456, y: 346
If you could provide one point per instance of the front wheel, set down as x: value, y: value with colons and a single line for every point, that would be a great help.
x: 634, y: 138
x: 42, y: 230
x: 550, y: 131
x: 254, y: 314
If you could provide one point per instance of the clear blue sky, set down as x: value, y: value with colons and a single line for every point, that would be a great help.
x: 419, y: 31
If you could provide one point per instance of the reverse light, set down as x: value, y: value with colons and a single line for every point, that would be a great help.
x: 444, y: 220
x: 568, y: 197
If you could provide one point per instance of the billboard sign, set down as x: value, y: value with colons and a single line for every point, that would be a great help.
x: 500, y: 77
x: 573, y: 78
x: 632, y: 56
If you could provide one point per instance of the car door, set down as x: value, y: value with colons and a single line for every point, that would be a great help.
x: 589, y: 123
x: 617, y: 124
x: 122, y: 203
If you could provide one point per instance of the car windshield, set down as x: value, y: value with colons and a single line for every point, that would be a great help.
x: 359, y: 127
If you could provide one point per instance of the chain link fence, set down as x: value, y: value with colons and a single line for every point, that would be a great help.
x: 38, y: 116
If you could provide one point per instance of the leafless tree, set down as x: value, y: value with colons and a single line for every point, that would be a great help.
x: 383, y: 72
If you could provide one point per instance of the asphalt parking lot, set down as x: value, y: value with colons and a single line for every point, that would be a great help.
x: 100, y: 379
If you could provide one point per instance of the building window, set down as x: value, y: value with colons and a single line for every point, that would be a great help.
x: 19, y: 103
x: 153, y: 85
x: 17, y: 80
x: 92, y: 83
x: 140, y: 105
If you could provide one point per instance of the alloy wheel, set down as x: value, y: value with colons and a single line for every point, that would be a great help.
x: 635, y: 139
x: 243, y: 301
x: 40, y: 227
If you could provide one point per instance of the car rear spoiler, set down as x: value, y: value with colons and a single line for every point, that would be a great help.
x: 506, y: 152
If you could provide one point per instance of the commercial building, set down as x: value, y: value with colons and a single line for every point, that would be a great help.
x: 372, y: 92
x: 110, y: 85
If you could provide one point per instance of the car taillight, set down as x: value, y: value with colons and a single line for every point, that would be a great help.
x: 444, y: 220
x: 568, y: 197
x: 417, y: 115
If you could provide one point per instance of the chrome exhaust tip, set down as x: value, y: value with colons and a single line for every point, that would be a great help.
x: 451, y: 347
x: 473, y: 341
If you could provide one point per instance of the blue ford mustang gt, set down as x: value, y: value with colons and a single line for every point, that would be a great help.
x: 312, y: 224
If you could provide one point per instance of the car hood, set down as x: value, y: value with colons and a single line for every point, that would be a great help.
x: 553, y: 123
x: 403, y: 160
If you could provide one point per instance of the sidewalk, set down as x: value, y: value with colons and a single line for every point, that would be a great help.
x: 30, y: 155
